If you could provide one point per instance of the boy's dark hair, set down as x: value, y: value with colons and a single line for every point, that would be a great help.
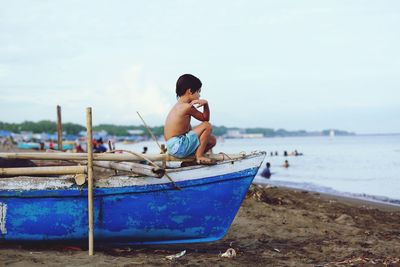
x: 185, y: 82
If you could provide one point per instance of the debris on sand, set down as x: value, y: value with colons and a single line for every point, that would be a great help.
x: 229, y: 253
x: 176, y: 256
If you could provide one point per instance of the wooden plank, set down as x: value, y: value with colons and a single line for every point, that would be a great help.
x: 54, y: 170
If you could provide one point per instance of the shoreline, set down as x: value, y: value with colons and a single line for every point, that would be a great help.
x: 359, y: 202
x: 373, y: 199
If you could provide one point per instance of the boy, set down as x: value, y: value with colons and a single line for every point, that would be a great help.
x: 182, y: 140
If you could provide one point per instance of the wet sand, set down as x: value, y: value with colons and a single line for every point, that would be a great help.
x: 274, y: 227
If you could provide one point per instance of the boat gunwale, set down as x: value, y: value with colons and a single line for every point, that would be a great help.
x: 66, y: 182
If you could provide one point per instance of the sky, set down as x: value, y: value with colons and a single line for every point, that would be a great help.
x: 308, y: 65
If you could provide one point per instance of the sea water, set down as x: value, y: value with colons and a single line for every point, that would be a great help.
x: 356, y: 166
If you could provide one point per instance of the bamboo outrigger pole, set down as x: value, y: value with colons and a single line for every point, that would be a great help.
x: 90, y: 177
x: 106, y: 156
x: 134, y: 167
x: 148, y: 129
x: 51, y: 170
x: 59, y: 128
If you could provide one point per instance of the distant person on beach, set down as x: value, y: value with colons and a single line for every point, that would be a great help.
x: 266, y: 173
x: 51, y: 144
x: 182, y: 140
x: 98, y: 146
x: 78, y: 147
x: 286, y: 164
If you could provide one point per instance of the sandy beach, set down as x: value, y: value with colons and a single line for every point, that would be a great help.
x: 274, y: 227
x: 270, y: 122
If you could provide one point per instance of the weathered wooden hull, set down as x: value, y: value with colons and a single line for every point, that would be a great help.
x: 128, y: 210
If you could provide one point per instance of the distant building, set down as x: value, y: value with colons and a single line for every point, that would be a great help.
x: 253, y: 135
x: 135, y: 132
x: 233, y: 134
x: 241, y: 134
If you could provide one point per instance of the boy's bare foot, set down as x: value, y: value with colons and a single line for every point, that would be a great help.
x: 205, y: 161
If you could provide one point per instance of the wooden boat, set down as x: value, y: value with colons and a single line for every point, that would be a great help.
x: 36, y: 146
x: 129, y: 210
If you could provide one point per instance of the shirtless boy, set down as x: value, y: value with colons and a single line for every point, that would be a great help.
x: 182, y: 140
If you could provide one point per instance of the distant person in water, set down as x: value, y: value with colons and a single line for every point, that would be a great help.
x: 276, y: 153
x: 298, y: 153
x: 286, y: 164
x: 182, y: 140
x: 285, y: 153
x: 266, y: 173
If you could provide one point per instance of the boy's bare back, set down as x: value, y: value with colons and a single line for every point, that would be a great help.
x: 178, y: 120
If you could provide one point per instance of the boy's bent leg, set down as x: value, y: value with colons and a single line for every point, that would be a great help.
x: 212, y: 141
x: 203, y: 131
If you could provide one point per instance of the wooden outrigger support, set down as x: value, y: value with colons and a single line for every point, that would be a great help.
x: 54, y: 170
x: 59, y: 128
x: 90, y: 177
x: 132, y: 167
x: 108, y: 156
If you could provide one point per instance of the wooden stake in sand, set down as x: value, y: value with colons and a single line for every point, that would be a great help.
x: 59, y: 128
x: 90, y: 177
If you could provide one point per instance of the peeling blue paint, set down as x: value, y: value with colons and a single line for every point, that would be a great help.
x: 153, y: 214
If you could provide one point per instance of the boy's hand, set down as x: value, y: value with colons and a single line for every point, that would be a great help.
x: 199, y: 103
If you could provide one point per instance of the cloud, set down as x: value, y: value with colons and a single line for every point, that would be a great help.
x: 114, y: 99
x: 131, y: 92
x: 4, y: 71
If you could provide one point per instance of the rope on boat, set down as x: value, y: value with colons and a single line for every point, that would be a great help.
x: 150, y: 131
x: 225, y: 155
x: 149, y: 161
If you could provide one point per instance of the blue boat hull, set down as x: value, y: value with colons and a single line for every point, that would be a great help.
x: 202, y: 211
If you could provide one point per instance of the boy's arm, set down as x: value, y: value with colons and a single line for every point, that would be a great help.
x: 205, y: 116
